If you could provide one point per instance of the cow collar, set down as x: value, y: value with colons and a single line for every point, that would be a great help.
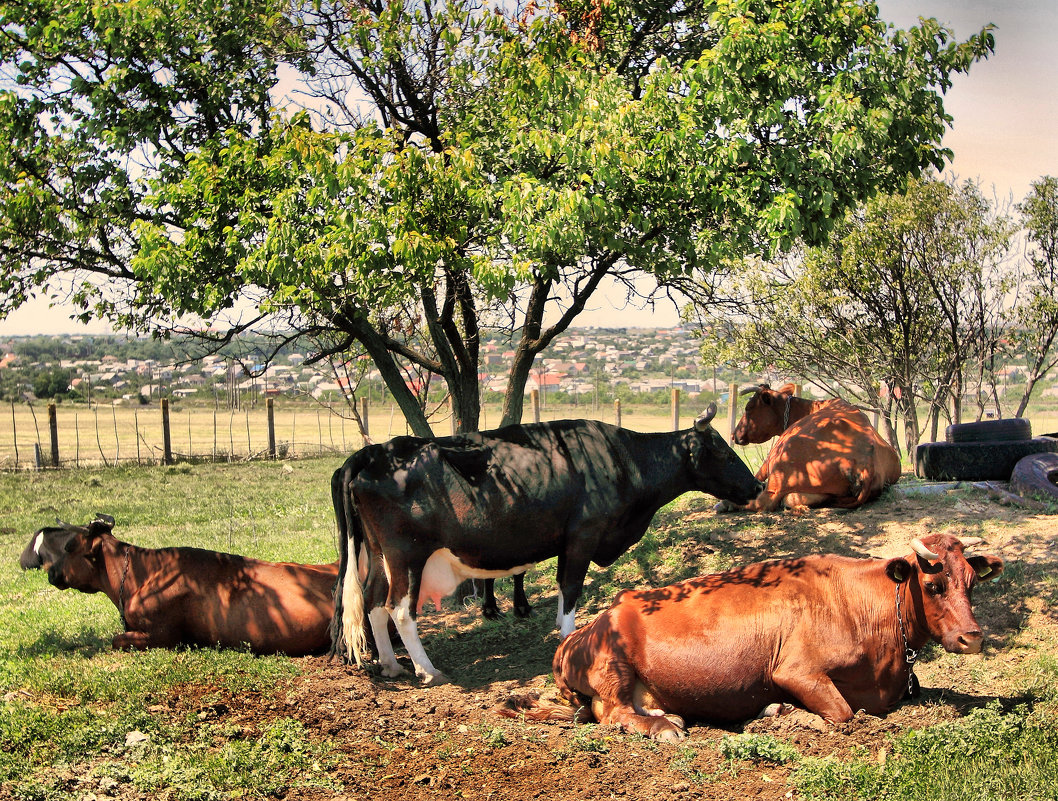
x: 786, y: 413
x: 121, y: 590
x: 910, y: 654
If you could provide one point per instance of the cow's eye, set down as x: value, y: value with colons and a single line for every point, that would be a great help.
x: 932, y: 588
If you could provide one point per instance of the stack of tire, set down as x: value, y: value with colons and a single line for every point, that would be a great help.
x: 990, y: 450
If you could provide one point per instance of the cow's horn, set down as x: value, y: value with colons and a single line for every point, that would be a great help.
x: 920, y: 548
x: 705, y: 418
x: 750, y: 390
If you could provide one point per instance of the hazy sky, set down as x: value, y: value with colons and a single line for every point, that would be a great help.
x: 1004, y: 135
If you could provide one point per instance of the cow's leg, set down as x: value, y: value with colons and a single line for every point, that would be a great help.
x: 571, y: 572
x: 489, y: 608
x: 142, y: 640
x: 799, y: 501
x: 409, y: 635
x: 379, y: 618
x: 521, y: 603
x: 816, y: 693
x: 401, y: 601
x: 622, y: 700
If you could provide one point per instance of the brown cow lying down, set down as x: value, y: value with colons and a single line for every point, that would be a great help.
x: 829, y: 633
x: 189, y: 596
x: 827, y: 452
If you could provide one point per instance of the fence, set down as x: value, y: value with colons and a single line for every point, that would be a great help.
x: 113, y: 435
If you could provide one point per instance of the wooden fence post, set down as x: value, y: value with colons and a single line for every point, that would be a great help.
x: 363, y: 416
x: 269, y: 406
x: 732, y: 409
x: 536, y: 405
x: 675, y: 409
x: 617, y: 412
x: 167, y: 440
x: 53, y: 427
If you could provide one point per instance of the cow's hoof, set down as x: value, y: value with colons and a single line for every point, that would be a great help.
x: 725, y: 506
x: 774, y: 710
x: 523, y: 611
x: 666, y: 731
x: 392, y: 671
x: 491, y: 612
x: 434, y: 679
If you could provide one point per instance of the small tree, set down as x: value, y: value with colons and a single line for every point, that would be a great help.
x: 890, y: 313
x: 1035, y: 326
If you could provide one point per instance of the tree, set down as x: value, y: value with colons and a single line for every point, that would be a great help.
x: 454, y: 167
x: 905, y: 298
x: 1036, y: 323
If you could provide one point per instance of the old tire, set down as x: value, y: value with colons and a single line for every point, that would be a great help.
x: 1036, y: 476
x: 1009, y: 429
x: 976, y: 461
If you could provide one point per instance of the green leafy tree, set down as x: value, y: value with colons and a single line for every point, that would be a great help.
x: 892, y: 313
x: 1035, y: 328
x: 453, y: 168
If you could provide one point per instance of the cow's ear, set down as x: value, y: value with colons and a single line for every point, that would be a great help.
x: 787, y: 389
x: 986, y: 566
x: 899, y: 570
x: 103, y: 524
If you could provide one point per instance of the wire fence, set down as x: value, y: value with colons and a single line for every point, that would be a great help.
x: 103, y: 436
x: 37, y: 438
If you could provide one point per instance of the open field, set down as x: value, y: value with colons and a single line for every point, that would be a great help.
x: 80, y: 721
x: 114, y: 435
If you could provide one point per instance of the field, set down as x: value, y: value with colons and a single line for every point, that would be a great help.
x: 105, y: 436
x: 80, y: 721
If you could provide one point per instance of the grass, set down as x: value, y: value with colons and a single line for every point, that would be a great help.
x: 72, y: 706
x: 72, y: 702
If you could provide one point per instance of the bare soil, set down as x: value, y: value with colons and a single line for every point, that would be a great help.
x: 393, y: 739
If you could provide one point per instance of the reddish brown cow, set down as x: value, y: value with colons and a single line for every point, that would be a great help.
x: 827, y: 454
x: 829, y: 633
x: 190, y: 596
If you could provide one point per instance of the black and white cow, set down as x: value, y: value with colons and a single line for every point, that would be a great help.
x: 428, y: 513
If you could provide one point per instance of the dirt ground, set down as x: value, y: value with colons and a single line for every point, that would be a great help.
x: 392, y: 739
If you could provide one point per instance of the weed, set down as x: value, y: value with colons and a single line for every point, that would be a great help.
x: 757, y: 748
x: 989, y: 754
x: 494, y: 736
x: 585, y: 738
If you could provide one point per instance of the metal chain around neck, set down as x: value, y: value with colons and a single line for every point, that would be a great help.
x: 121, y: 590
x: 786, y: 413
x: 910, y: 654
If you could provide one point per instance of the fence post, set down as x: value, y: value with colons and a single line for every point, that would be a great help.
x: 53, y: 427
x: 732, y: 409
x: 363, y: 416
x: 536, y: 405
x: 167, y: 441
x: 675, y: 409
x: 452, y: 414
x: 269, y: 404
x: 617, y: 412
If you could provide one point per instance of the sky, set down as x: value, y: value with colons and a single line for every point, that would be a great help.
x: 1004, y: 134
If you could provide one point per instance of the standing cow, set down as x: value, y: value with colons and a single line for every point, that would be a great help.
x: 829, y: 633
x: 827, y: 452
x: 428, y: 513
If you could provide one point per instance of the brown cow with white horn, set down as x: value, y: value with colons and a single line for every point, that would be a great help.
x: 190, y: 596
x: 829, y: 633
x: 827, y: 452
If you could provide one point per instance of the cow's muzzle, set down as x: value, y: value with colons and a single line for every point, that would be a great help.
x: 965, y: 642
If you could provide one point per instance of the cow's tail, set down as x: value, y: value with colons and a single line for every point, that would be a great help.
x: 348, y: 625
x: 530, y: 707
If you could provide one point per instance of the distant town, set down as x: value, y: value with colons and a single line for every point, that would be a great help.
x: 597, y: 363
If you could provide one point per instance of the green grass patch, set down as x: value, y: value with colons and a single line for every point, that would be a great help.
x: 992, y: 753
